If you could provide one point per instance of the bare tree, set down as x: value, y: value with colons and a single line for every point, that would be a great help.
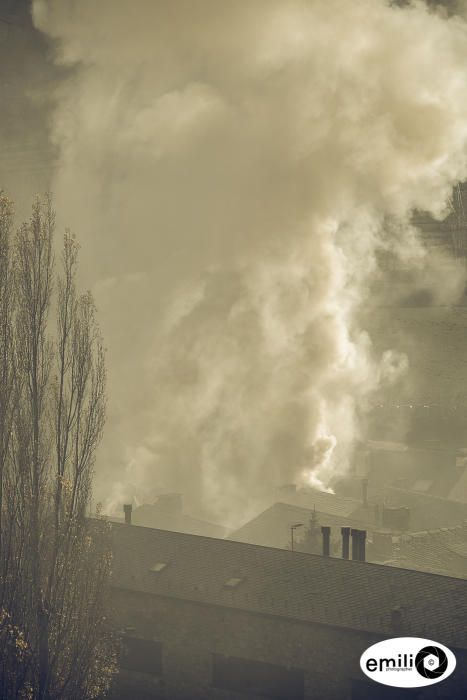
x: 54, y: 562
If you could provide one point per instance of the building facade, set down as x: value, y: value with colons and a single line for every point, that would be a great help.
x: 206, y: 618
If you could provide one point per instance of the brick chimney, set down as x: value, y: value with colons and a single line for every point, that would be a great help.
x: 345, y: 531
x: 326, y: 530
x: 127, y: 509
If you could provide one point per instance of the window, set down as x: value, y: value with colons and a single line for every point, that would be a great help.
x: 233, y: 582
x: 158, y: 567
x: 142, y: 655
x: 257, y: 678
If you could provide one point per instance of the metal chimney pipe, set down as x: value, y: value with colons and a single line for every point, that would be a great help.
x: 345, y: 531
x: 127, y: 509
x: 326, y: 530
x: 355, y: 544
x: 362, y: 544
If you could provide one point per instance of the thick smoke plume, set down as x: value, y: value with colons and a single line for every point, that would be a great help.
x: 236, y: 171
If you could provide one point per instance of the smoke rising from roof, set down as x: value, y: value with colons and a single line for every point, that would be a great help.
x: 235, y: 171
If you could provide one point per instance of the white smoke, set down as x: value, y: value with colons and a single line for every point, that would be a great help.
x: 235, y: 172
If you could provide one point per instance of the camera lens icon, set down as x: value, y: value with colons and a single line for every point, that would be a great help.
x: 431, y: 662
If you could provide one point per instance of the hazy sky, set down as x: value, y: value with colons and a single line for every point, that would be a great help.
x: 233, y: 169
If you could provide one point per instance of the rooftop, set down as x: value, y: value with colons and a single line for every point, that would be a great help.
x: 271, y: 528
x: 441, y: 551
x: 304, y: 587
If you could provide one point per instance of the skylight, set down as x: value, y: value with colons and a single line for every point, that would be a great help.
x: 158, y: 567
x: 233, y: 582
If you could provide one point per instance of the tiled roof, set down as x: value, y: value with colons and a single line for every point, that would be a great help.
x: 271, y: 528
x: 149, y: 516
x: 330, y: 503
x: 304, y: 587
x: 438, y: 551
x: 426, y: 510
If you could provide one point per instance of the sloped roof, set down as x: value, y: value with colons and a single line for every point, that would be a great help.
x: 305, y: 587
x: 427, y: 511
x: 438, y: 551
x: 271, y: 528
x: 149, y: 516
x: 442, y: 551
x: 330, y: 503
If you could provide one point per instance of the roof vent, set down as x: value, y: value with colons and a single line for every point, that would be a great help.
x: 233, y: 582
x: 158, y: 567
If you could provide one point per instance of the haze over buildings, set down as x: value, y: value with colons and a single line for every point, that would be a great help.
x: 269, y: 196
x: 242, y: 182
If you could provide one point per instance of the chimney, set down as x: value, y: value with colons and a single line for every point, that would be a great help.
x: 358, y: 544
x: 326, y: 530
x: 354, y: 534
x: 345, y: 531
x: 362, y: 544
x: 365, y: 492
x: 395, y: 517
x: 128, y: 508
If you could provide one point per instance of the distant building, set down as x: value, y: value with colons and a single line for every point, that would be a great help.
x: 166, y: 513
x: 378, y: 505
x: 210, y: 618
x: 436, y: 470
x: 442, y: 551
x: 272, y: 528
x: 451, y: 233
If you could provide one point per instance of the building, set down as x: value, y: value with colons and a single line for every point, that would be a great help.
x: 210, y: 618
x: 425, y: 511
x: 451, y: 233
x: 273, y: 528
x: 442, y: 551
x: 166, y: 513
x: 377, y: 505
x: 436, y: 470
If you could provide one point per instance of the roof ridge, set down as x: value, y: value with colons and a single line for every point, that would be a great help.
x: 284, y: 552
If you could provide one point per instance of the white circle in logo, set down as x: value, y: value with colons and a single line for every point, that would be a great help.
x: 408, y: 662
